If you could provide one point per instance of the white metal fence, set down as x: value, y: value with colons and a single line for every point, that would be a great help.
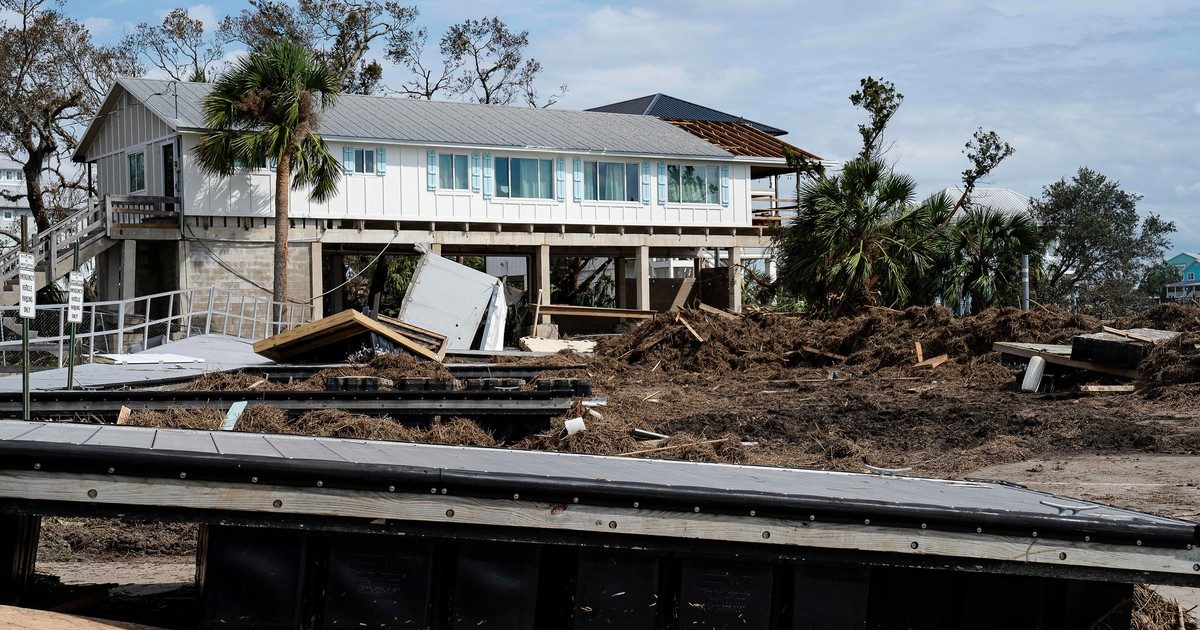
x: 145, y: 322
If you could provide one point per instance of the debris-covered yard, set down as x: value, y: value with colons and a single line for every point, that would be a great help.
x: 785, y: 390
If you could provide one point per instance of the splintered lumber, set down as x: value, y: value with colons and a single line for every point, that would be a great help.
x: 592, y: 311
x: 123, y: 415
x: 712, y: 310
x: 1147, y: 335
x: 668, y: 448
x: 1108, y: 389
x: 919, y: 351
x: 933, y: 362
x: 339, y: 328
x: 1059, y: 355
x: 435, y: 342
x: 679, y: 318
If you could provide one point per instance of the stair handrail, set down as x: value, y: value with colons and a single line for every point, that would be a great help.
x: 45, y: 245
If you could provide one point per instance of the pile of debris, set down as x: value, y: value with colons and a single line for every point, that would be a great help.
x: 701, y: 341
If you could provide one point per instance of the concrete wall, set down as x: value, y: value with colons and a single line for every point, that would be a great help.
x: 254, y: 260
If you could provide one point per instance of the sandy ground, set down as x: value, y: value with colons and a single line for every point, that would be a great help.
x: 1160, y: 484
x: 145, y: 571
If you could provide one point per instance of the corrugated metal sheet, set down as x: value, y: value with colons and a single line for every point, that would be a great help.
x: 413, y: 121
x: 1003, y: 200
x: 664, y: 106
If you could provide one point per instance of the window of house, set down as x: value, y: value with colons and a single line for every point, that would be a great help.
x: 611, y: 181
x: 688, y: 183
x: 453, y: 172
x: 137, y: 171
x: 1191, y: 275
x: 524, y: 177
x: 364, y: 161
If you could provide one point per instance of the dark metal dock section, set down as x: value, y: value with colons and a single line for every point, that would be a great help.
x: 326, y: 532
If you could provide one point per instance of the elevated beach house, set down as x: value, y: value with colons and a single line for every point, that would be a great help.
x: 467, y: 179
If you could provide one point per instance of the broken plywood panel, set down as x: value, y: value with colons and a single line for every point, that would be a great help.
x: 533, y: 344
x: 328, y: 332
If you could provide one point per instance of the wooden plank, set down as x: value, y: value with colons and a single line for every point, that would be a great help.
x: 1108, y: 389
x: 933, y: 362
x: 669, y: 448
x: 679, y: 318
x: 1144, y: 335
x: 681, y: 296
x: 712, y: 310
x: 30, y: 619
x: 399, y: 506
x: 1059, y: 356
x: 592, y: 311
x: 833, y: 356
x: 920, y: 351
x: 123, y: 415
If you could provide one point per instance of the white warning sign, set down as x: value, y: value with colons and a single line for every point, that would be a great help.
x: 28, y: 287
x: 75, y: 297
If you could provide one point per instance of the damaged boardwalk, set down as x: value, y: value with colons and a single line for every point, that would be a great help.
x: 411, y: 535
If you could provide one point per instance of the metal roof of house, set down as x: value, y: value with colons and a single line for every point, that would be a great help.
x: 664, y: 106
x: 413, y: 121
x: 1003, y: 200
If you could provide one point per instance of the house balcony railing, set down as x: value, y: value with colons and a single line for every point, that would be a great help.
x: 142, y: 212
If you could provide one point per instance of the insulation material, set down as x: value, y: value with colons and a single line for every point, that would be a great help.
x: 448, y: 298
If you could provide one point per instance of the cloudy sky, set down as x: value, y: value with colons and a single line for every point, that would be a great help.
x: 1113, y: 85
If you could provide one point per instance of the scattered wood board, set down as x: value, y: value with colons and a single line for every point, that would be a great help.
x: 1147, y: 335
x: 832, y: 356
x: 1122, y: 348
x: 1108, y: 389
x: 679, y: 318
x: 715, y: 311
x: 591, y: 311
x: 681, y: 296
x: 335, y: 329
x: 30, y: 619
x: 919, y: 351
x: 534, y: 344
x: 1059, y: 355
x: 933, y: 362
x: 436, y: 342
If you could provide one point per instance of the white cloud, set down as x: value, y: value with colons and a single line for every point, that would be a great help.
x: 1184, y: 191
x: 98, y: 26
x: 205, y: 13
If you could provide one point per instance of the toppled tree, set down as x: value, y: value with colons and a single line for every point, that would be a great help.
x: 339, y: 33
x: 1101, y: 247
x: 179, y: 46
x: 267, y: 110
x: 54, y: 80
x: 860, y: 238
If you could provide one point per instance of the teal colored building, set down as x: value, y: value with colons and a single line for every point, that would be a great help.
x: 1188, y: 265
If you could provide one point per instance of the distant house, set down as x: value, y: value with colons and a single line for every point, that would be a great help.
x: 12, y: 180
x: 1188, y: 265
x: 468, y: 179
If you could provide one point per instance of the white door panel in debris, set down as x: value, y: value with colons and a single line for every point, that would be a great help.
x: 448, y: 298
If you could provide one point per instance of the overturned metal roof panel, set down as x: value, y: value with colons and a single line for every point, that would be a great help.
x: 665, y: 106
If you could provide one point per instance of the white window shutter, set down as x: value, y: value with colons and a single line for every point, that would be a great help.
x: 577, y: 178
x: 662, y: 183
x: 476, y: 176
x: 724, y: 184
x: 348, y: 159
x: 381, y: 161
x: 560, y: 175
x: 431, y: 168
x: 487, y: 176
x: 645, y: 183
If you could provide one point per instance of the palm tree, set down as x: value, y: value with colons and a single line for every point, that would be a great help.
x: 266, y: 110
x: 850, y: 244
x: 984, y: 249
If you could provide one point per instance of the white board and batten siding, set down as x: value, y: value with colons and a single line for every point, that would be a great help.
x: 401, y: 189
x: 130, y: 128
